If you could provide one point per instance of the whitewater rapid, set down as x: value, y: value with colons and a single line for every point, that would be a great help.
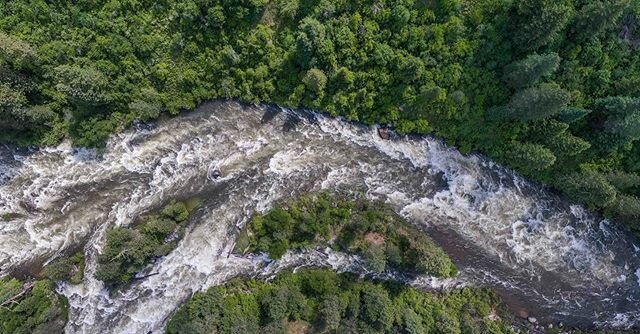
x: 542, y: 254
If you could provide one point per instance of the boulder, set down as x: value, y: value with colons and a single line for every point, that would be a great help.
x: 384, y: 133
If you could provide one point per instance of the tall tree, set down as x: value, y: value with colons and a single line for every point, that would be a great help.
x: 597, y: 16
x: 535, y: 103
x: 589, y: 187
x: 617, y: 121
x: 537, y: 22
x: 530, y: 158
x: 527, y: 72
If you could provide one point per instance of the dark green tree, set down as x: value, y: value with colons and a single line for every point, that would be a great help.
x: 377, y: 308
x: 596, y: 16
x: 530, y: 158
x: 527, y: 72
x: 572, y: 114
x: 536, y: 103
x: 589, y: 187
x: 331, y: 311
x: 537, y: 22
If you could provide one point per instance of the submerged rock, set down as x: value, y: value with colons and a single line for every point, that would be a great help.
x: 216, y: 174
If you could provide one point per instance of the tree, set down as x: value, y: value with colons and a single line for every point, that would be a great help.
x: 412, y: 322
x: 589, y: 187
x: 377, y: 308
x: 315, y: 81
x: 535, y: 103
x: 375, y: 257
x: 566, y: 145
x: 530, y: 158
x: 331, y: 310
x: 621, y: 131
x: 288, y: 9
x: 623, y: 180
x: 617, y: 106
x: 39, y: 310
x: 313, y: 47
x: 12, y: 104
x: 59, y: 270
x: 82, y: 85
x: 619, y: 121
x: 626, y: 209
x: 147, y: 106
x: 18, y: 54
x: 447, y: 324
x: 537, y: 22
x: 527, y: 72
x: 597, y: 16
x: 572, y: 114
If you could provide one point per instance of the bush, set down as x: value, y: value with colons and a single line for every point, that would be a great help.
x: 66, y: 269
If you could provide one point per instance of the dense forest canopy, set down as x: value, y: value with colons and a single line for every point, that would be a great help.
x: 548, y: 87
x: 321, y: 301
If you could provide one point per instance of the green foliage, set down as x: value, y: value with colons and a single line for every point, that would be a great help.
x: 39, y: 310
x: 569, y: 115
x: 66, y: 269
x: 619, y: 120
x: 624, y: 181
x: 597, y: 16
x: 530, y: 158
x: 527, y: 72
x: 536, y: 103
x: 84, y: 86
x: 539, y: 21
x: 589, y: 187
x: 369, y: 229
x: 353, y: 304
x: 480, y: 74
x: 15, y: 51
x: 129, y: 249
x: 627, y: 209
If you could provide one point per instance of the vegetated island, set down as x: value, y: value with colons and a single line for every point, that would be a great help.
x: 128, y: 250
x: 369, y: 229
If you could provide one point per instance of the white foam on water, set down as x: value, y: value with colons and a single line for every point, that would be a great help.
x: 65, y: 196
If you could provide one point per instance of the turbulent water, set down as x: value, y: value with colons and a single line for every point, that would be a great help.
x: 544, y: 256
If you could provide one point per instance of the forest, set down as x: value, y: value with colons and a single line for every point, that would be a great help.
x: 321, y: 301
x: 550, y: 88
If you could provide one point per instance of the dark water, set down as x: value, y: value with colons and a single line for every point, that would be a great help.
x: 551, y: 259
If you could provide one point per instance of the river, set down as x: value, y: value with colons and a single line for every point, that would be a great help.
x: 544, y: 256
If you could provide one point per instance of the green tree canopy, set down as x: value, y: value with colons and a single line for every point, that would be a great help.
x: 527, y: 72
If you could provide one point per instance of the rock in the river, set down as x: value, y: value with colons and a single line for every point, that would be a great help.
x: 532, y: 320
x: 216, y: 174
x: 384, y: 133
x: 522, y: 313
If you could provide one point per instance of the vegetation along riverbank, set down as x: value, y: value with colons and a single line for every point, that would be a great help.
x: 550, y: 88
